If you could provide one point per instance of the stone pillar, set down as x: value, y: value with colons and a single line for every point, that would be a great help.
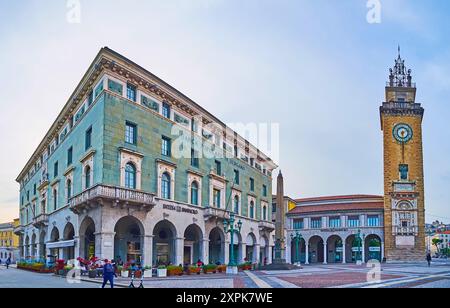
x: 289, y: 252
x: 179, y: 250
x: 382, y: 251
x: 242, y: 253
x: 147, y: 250
x: 205, y: 251
x: 363, y: 253
x: 257, y: 254
x: 38, y: 250
x: 270, y: 254
x: 325, y: 253
x: 343, y: 252
x: 226, y: 252
x: 104, y: 245
x: 307, y: 252
x: 80, y: 246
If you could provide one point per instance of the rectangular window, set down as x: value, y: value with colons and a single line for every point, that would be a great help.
x: 131, y: 92
x: 69, y: 156
x: 166, y: 110
x: 194, y: 126
x: 298, y: 224
x: 34, y: 189
x: 236, y: 177
x: 252, y: 184
x: 373, y: 221
x: 55, y: 170
x: 334, y: 222
x: 316, y: 223
x: 99, y: 89
x: 194, y: 159
x: 264, y: 190
x: 165, y: 148
x: 218, y: 167
x: 216, y: 198
x: 130, y: 133
x: 115, y: 87
x: 88, y: 138
x: 353, y: 222
x: 91, y: 98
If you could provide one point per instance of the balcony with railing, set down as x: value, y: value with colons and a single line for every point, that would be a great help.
x: 18, y: 230
x: 40, y: 221
x: 213, y: 212
x: 98, y: 194
x: 266, y: 226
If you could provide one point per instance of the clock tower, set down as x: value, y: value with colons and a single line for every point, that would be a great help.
x: 404, y: 200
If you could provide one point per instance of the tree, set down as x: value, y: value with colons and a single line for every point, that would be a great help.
x: 436, y: 242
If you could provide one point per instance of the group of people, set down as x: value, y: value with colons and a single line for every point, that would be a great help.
x: 7, y: 263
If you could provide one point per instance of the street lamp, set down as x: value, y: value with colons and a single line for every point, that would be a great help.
x: 296, y: 238
x: 359, y: 240
x: 229, y: 226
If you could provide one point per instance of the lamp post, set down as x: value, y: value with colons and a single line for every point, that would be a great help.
x: 359, y: 240
x: 296, y: 238
x: 229, y: 226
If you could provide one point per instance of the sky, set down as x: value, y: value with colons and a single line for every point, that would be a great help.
x: 316, y: 67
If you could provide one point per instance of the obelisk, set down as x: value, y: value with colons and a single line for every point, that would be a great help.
x: 280, y: 243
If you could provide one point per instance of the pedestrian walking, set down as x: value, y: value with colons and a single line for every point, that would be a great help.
x: 8, y: 262
x: 429, y: 259
x: 108, y: 274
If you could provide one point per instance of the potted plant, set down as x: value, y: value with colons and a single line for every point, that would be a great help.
x: 162, y: 271
x: 174, y: 270
x: 148, y: 272
x: 194, y: 270
x: 125, y: 271
x: 222, y: 268
x: 59, y: 269
x: 211, y: 268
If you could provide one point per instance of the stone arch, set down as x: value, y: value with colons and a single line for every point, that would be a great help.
x: 335, y: 247
x: 69, y: 235
x: 316, y: 253
x: 264, y: 250
x: 373, y: 247
x: 128, y: 239
x: 27, y: 247
x: 33, y: 245
x: 251, y: 251
x: 193, y: 244
x: 42, y: 249
x: 164, y: 243
x: 87, y: 238
x: 216, y: 246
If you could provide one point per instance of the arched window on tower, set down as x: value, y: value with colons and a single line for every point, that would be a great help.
x: 130, y: 176
x: 194, y: 193
x: 165, y: 186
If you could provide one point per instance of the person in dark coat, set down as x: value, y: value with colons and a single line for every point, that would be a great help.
x: 429, y: 259
x: 108, y: 274
x: 8, y: 262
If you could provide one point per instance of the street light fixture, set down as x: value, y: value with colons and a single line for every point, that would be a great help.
x: 296, y: 238
x: 229, y: 226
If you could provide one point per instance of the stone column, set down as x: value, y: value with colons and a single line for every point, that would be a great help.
x: 382, y: 251
x: 80, y: 242
x: 325, y: 253
x: 243, y: 253
x: 289, y: 252
x: 257, y: 253
x: 343, y: 253
x: 307, y: 252
x: 363, y: 253
x: 270, y: 254
x: 226, y: 252
x: 104, y: 245
x: 205, y: 251
x: 147, y: 250
x: 179, y: 250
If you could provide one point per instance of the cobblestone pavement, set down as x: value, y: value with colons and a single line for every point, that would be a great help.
x: 407, y: 275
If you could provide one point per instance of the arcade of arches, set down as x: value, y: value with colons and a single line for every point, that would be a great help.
x: 335, y: 249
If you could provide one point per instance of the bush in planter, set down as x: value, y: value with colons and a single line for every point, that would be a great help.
x: 211, y: 268
x: 194, y: 270
x: 222, y: 268
x: 174, y: 270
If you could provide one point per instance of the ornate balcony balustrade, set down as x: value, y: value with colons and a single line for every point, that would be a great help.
x: 40, y: 221
x: 213, y: 212
x: 266, y: 226
x: 405, y: 231
x: 116, y: 196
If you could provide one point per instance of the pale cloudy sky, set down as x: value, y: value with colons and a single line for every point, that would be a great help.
x: 317, y: 67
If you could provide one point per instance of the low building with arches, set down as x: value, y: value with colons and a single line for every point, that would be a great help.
x: 132, y: 169
x: 329, y: 228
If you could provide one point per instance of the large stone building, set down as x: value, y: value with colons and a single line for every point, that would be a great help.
x: 9, y: 242
x: 132, y: 168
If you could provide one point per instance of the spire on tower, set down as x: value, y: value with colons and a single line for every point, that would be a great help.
x: 399, y: 75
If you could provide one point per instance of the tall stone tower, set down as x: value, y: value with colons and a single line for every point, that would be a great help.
x: 280, y: 243
x: 404, y: 199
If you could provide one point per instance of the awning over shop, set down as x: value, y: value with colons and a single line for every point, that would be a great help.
x: 62, y: 244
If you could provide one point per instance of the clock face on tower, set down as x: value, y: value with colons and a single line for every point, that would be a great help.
x: 403, y: 133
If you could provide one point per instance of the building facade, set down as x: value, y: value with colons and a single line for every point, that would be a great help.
x: 132, y: 168
x: 9, y: 242
x: 404, y: 197
x: 329, y: 228
x: 443, y: 236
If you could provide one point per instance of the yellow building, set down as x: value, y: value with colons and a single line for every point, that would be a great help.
x: 404, y: 198
x: 9, y: 242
